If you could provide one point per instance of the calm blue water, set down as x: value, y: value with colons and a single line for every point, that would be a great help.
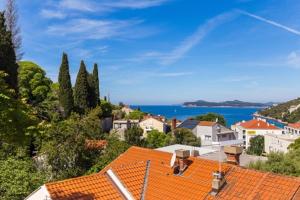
x: 232, y: 115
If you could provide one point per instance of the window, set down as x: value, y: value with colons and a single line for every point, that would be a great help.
x: 207, y: 137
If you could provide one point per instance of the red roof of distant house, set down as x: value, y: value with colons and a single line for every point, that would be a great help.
x: 207, y: 123
x: 257, y: 124
x: 194, y: 183
x: 295, y: 125
x: 95, y: 144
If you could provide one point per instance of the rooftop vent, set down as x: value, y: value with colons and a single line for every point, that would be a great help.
x: 217, y: 183
x: 233, y: 154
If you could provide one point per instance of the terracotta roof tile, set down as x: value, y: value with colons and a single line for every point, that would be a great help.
x: 195, y: 183
x: 295, y: 125
x: 257, y: 124
x: 95, y: 144
x: 207, y: 123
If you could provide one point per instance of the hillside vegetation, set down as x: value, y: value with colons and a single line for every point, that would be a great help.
x: 283, y: 111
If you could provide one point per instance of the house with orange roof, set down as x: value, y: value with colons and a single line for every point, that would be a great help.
x: 141, y: 173
x: 292, y: 128
x: 249, y: 129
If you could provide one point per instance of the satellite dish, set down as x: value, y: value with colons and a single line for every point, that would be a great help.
x: 173, y: 160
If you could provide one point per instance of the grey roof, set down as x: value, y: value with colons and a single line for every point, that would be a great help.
x: 189, y: 124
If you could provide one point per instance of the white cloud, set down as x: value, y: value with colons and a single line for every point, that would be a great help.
x: 174, y: 74
x: 100, y: 6
x: 52, y: 14
x: 281, y: 26
x: 95, y: 29
x: 194, y: 39
x: 78, y: 5
x: 293, y: 59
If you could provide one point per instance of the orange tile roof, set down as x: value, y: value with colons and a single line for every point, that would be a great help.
x: 257, y: 124
x: 195, y: 183
x: 295, y: 125
x: 95, y: 144
x: 206, y: 123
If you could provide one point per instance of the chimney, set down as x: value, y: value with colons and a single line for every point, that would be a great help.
x: 195, y: 153
x: 233, y: 154
x: 173, y: 125
x: 182, y: 157
x: 217, y: 183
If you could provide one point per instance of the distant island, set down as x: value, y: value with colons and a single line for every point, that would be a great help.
x: 234, y: 103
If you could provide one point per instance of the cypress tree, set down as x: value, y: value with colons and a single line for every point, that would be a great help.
x: 92, y: 95
x: 81, y: 91
x: 65, y: 87
x: 96, y: 83
x: 8, y: 62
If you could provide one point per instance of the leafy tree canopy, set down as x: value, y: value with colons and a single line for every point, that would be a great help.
x: 256, y: 145
x: 136, y: 114
x: 113, y: 150
x: 18, y: 178
x: 185, y: 136
x: 212, y: 117
x: 133, y: 136
x: 156, y: 139
x: 33, y: 83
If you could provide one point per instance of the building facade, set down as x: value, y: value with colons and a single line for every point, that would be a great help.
x: 250, y: 129
x: 278, y: 143
x: 120, y: 126
x: 150, y: 123
x: 292, y: 129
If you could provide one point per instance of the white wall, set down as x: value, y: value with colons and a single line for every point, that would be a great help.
x: 273, y: 143
x: 39, y: 194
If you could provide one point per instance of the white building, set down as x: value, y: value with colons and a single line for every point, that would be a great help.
x: 209, y: 131
x: 150, y: 123
x: 278, y: 143
x: 120, y: 126
x: 249, y: 129
x: 293, y: 129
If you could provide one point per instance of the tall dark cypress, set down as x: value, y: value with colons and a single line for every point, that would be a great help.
x: 96, y: 83
x: 8, y: 62
x: 92, y: 94
x: 81, y: 92
x: 65, y: 87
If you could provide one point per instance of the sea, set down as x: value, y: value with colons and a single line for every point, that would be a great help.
x: 232, y: 114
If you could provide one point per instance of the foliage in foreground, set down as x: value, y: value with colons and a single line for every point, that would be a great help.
x: 287, y: 164
x: 18, y: 178
x: 256, y: 145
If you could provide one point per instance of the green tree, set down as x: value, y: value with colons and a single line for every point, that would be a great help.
x: 18, y: 121
x: 63, y: 146
x: 92, y: 95
x: 114, y: 148
x: 33, y: 83
x: 256, y: 145
x: 106, y: 109
x: 212, y: 117
x: 18, y: 178
x: 295, y: 145
x: 156, y: 139
x: 81, y: 91
x: 185, y: 136
x: 96, y: 83
x: 136, y: 114
x: 8, y: 62
x: 65, y: 87
x: 133, y: 136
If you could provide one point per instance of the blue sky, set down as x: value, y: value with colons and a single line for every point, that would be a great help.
x: 171, y: 51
